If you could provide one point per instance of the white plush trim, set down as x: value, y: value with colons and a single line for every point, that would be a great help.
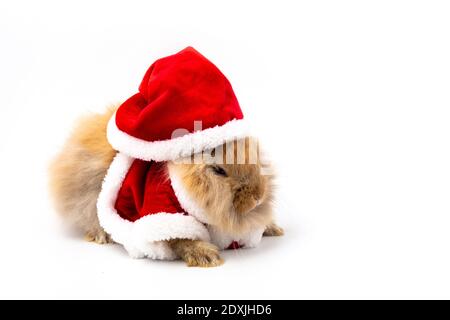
x: 176, y: 148
x: 144, y: 237
x: 223, y: 240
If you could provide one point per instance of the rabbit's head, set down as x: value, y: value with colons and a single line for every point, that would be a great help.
x: 233, y: 187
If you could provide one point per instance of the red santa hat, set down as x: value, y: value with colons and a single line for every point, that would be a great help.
x: 184, y: 105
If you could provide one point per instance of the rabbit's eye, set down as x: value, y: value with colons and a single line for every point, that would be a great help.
x: 219, y: 171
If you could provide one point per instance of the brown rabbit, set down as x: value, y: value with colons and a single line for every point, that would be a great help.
x: 235, y: 197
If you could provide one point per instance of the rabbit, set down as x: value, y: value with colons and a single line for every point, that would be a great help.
x: 235, y: 197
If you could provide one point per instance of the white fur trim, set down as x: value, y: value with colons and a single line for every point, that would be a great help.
x: 144, y: 237
x: 223, y: 240
x: 176, y: 148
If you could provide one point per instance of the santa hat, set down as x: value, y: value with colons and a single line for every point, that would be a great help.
x: 184, y: 105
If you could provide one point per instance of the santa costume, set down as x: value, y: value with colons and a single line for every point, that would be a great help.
x: 141, y: 204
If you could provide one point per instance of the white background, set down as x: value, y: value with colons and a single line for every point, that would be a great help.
x: 352, y: 99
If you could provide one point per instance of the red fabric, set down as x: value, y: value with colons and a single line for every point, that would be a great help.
x: 234, y: 245
x: 176, y: 91
x: 146, y: 190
